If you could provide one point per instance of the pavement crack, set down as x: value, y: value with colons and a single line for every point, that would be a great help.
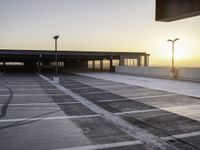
x: 5, y: 106
x: 28, y: 121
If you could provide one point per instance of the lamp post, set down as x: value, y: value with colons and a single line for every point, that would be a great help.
x: 39, y: 63
x: 173, y: 41
x: 56, y: 79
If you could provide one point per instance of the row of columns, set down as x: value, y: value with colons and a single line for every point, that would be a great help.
x: 138, y: 58
x: 139, y: 61
x: 101, y: 64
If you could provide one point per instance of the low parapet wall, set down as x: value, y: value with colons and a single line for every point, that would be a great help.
x: 192, y: 74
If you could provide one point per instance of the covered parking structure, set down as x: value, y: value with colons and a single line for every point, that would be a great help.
x: 37, y: 59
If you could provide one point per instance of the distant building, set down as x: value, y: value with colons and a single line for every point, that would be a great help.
x: 36, y: 59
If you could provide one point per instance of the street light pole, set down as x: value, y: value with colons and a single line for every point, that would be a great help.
x: 173, y: 41
x: 56, y: 59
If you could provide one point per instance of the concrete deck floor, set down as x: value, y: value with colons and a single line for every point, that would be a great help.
x: 36, y: 114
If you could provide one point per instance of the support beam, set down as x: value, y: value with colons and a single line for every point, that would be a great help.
x: 171, y: 10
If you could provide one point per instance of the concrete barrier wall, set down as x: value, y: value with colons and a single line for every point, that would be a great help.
x: 192, y: 74
x: 189, y: 74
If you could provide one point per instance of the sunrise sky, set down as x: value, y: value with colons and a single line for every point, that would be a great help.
x: 106, y: 25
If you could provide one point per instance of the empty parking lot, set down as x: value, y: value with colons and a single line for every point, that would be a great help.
x: 83, y: 113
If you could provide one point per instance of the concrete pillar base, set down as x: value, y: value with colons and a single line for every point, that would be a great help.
x: 56, y: 80
x: 174, y: 73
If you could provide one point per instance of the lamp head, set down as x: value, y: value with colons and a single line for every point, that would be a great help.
x: 169, y: 40
x: 176, y: 39
x: 56, y: 37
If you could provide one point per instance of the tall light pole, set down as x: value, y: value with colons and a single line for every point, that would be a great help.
x: 173, y: 41
x: 56, y: 59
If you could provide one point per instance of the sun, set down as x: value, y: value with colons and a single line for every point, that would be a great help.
x: 182, y: 51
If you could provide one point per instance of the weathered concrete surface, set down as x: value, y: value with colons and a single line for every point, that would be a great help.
x: 174, y: 86
x: 167, y: 124
x: 59, y: 120
x: 190, y: 74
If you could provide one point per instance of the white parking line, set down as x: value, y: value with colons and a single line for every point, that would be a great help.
x: 135, y: 98
x: 33, y: 95
x: 88, y: 83
x: 105, y: 86
x: 41, y: 104
x: 103, y: 146
x: 31, y: 85
x: 47, y: 118
x: 32, y: 89
x: 106, y: 91
x: 137, y: 111
x: 154, y: 96
x: 180, y: 136
x: 24, y: 82
x: 156, y: 109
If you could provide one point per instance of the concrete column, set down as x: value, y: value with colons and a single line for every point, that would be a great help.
x: 121, y: 62
x: 139, y: 61
x: 39, y: 66
x: 101, y: 64
x: 86, y: 64
x: 146, y: 60
x: 93, y: 64
x: 111, y: 65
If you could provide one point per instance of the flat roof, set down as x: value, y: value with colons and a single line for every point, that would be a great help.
x: 63, y: 52
x: 17, y: 55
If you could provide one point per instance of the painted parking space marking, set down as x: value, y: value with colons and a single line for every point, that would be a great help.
x: 41, y: 104
x: 156, y: 109
x: 31, y: 85
x: 32, y: 89
x: 135, y: 98
x: 47, y: 118
x: 22, y: 82
x: 131, y: 90
x: 105, y: 86
x: 103, y: 146
x: 33, y: 95
x: 181, y: 136
x: 137, y: 111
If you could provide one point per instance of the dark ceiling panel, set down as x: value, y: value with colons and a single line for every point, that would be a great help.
x: 171, y: 10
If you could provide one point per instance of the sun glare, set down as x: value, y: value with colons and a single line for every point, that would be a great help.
x: 182, y: 50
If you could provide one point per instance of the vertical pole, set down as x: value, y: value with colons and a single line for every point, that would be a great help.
x: 173, y: 56
x: 111, y: 64
x: 56, y: 59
